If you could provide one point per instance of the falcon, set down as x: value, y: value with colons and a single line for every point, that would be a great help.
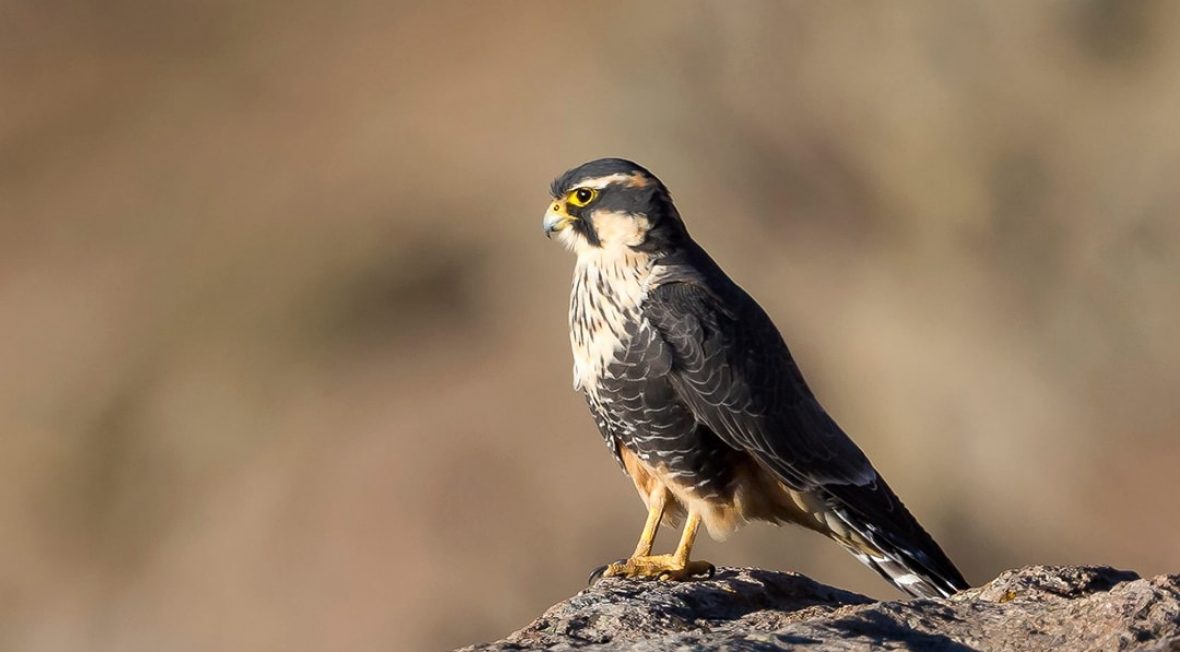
x: 699, y: 399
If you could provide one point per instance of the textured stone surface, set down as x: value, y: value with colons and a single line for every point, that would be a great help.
x: 1035, y: 608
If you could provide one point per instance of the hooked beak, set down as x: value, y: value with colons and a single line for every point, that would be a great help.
x: 556, y: 219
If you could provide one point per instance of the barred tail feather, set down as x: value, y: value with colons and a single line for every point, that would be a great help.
x: 919, y: 583
x: 914, y: 564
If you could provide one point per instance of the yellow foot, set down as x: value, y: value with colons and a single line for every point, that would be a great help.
x: 659, y: 567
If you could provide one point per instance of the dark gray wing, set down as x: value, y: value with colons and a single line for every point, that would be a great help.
x: 735, y: 372
x: 733, y: 369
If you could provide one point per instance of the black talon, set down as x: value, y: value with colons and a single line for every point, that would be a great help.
x: 596, y: 574
x: 710, y: 572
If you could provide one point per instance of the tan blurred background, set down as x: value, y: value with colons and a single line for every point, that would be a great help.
x: 284, y: 349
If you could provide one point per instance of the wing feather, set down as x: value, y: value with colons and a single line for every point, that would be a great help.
x: 732, y: 368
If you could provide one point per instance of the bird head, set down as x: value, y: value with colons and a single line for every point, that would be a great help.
x: 612, y: 204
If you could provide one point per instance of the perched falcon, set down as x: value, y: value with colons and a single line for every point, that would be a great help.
x: 697, y: 395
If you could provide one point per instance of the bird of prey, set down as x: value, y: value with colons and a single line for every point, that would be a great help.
x: 699, y: 399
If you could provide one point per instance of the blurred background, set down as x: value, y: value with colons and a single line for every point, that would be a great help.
x: 285, y: 359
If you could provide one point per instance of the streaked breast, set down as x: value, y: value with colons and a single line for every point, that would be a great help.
x: 605, y: 300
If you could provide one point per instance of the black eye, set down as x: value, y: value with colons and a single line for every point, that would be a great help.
x: 582, y: 196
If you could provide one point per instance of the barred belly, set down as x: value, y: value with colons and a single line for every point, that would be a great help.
x: 622, y: 366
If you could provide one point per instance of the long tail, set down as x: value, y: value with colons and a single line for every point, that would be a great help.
x: 888, y: 539
x: 908, y: 574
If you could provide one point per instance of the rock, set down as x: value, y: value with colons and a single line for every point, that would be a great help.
x: 1035, y: 608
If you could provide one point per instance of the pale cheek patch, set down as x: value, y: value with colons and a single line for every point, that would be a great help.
x: 620, y: 229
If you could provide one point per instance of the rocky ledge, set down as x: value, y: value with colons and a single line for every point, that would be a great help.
x: 1035, y: 608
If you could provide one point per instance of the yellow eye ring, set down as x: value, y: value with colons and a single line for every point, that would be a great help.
x: 581, y: 196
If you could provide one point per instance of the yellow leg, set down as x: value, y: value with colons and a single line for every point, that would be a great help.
x: 676, y: 566
x: 655, y: 512
x: 687, y: 538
